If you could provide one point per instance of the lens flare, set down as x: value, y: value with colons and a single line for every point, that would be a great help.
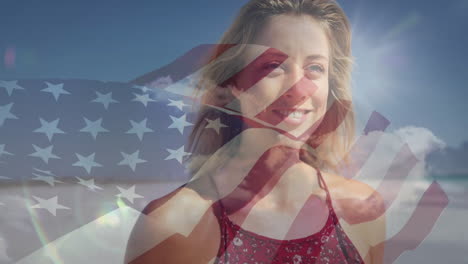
x: 52, y: 253
x: 10, y: 57
x: 110, y: 220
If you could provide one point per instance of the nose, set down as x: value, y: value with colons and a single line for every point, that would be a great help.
x: 300, y: 91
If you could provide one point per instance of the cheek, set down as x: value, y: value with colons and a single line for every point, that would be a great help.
x: 320, y: 97
x: 262, y: 94
x: 269, y: 89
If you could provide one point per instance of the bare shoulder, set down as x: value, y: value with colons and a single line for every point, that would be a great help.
x: 172, y: 224
x: 181, y: 205
x: 362, y: 212
x: 355, y: 201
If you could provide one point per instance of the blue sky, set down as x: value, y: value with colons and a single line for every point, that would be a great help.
x: 410, y: 55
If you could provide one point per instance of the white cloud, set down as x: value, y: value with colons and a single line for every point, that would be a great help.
x: 450, y: 161
x: 421, y: 140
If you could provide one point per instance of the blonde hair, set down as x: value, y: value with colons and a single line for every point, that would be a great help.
x: 331, y: 141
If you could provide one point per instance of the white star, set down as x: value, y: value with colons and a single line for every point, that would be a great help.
x: 179, y: 123
x: 44, y: 153
x: 144, y: 89
x: 3, y: 151
x: 139, y: 128
x: 44, y: 172
x: 131, y: 159
x: 179, y: 104
x: 86, y: 162
x: 5, y: 113
x: 48, y: 179
x: 55, y: 89
x: 215, y: 124
x: 143, y: 98
x: 89, y: 184
x: 177, y: 154
x: 105, y: 99
x: 50, y: 205
x: 93, y: 127
x: 49, y: 128
x: 128, y: 194
x: 10, y: 86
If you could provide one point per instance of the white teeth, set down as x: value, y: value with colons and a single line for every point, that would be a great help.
x: 292, y: 114
x: 296, y: 114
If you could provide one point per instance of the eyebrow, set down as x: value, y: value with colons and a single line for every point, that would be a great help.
x: 276, y: 53
x: 271, y: 52
x: 317, y: 57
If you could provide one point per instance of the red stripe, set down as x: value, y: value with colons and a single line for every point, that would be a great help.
x: 371, y: 208
x: 323, y: 128
x: 260, y: 180
x: 255, y: 70
x: 420, y: 224
x: 393, y: 180
x: 304, y: 221
x: 363, y: 147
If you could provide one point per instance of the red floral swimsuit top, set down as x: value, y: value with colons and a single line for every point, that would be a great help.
x: 329, y: 245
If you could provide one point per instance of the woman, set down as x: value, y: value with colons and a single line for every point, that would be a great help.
x: 266, y: 188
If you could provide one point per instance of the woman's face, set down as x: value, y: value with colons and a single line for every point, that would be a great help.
x: 285, y: 82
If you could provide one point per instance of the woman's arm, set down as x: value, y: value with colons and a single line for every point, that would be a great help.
x: 150, y: 230
x: 362, y: 213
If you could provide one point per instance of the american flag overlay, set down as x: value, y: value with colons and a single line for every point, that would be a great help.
x: 79, y: 128
x: 80, y: 159
x: 63, y: 140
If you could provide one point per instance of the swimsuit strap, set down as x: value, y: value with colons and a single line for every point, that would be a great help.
x: 324, y: 186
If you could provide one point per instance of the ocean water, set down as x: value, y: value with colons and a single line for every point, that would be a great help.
x: 447, y: 240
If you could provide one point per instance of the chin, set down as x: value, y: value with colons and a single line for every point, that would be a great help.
x: 301, y: 130
x: 283, y: 140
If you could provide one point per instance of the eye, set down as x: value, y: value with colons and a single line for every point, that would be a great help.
x: 273, y: 68
x: 271, y: 65
x: 316, y: 68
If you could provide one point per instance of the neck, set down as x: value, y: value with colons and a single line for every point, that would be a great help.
x: 265, y: 165
x: 255, y: 141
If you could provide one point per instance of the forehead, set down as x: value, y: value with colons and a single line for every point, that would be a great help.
x: 296, y: 35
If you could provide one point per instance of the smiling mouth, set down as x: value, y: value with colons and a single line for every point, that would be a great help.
x: 292, y: 116
x: 292, y: 113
